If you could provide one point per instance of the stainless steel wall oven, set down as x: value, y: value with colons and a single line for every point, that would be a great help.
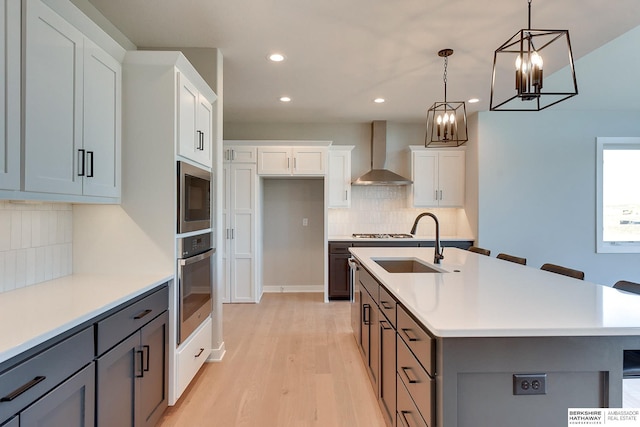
x: 194, y: 198
x: 196, y: 276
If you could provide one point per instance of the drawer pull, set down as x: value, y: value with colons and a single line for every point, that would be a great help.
x: 141, y: 315
x: 200, y: 352
x: 411, y: 381
x: 385, y: 325
x: 386, y: 305
x: 20, y: 390
x: 410, y: 334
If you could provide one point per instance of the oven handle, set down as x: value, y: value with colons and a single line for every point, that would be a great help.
x: 197, y: 258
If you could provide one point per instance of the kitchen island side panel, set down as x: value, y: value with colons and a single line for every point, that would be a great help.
x: 475, y: 378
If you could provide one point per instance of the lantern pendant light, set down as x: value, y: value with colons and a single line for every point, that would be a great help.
x: 531, y: 91
x: 446, y: 121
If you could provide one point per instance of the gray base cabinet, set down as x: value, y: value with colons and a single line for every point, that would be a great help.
x: 111, y: 371
x: 71, y: 404
x: 132, y: 379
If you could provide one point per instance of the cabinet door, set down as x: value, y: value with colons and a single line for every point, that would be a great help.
x: 240, y: 154
x: 226, y: 223
x: 204, y: 130
x: 101, y: 138
x: 71, y: 404
x: 339, y: 276
x: 151, y: 393
x: 13, y: 422
x: 10, y: 94
x: 274, y: 161
x: 424, y: 173
x: 451, y: 168
x: 387, y: 369
x: 339, y: 179
x: 242, y: 250
x: 188, y: 138
x: 309, y: 160
x: 116, y: 376
x: 52, y: 100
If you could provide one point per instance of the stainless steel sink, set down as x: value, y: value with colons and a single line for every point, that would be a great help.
x: 406, y: 265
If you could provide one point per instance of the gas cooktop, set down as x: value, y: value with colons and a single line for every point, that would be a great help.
x: 382, y: 236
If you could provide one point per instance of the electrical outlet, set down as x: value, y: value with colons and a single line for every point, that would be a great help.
x: 305, y: 222
x: 529, y: 384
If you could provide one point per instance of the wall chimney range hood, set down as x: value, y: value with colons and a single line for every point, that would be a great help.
x: 378, y: 175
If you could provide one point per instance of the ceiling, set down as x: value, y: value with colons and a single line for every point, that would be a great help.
x: 340, y: 55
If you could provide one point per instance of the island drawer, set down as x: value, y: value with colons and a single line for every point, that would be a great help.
x: 369, y: 283
x: 407, y: 413
x: 388, y: 306
x: 123, y: 323
x: 25, y: 383
x: 419, y: 384
x: 417, y: 339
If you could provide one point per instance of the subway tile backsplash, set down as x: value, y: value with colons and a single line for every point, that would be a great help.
x: 35, y: 243
x: 387, y: 209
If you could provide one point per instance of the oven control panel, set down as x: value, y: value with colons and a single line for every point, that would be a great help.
x: 193, y: 245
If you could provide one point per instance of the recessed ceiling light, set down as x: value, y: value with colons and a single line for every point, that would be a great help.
x: 285, y: 99
x: 473, y: 100
x: 378, y: 100
x: 276, y: 57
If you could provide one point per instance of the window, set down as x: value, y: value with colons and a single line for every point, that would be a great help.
x: 618, y: 195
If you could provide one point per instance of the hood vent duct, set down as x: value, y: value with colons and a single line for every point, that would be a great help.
x: 378, y: 175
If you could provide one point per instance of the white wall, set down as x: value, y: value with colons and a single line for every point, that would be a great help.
x: 537, y: 171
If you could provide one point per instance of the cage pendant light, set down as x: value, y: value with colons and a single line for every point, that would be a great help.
x: 532, y: 90
x: 446, y: 121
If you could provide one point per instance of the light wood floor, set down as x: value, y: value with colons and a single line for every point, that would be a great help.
x: 291, y: 361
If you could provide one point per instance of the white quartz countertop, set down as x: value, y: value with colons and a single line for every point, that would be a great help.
x: 482, y: 296
x: 32, y: 315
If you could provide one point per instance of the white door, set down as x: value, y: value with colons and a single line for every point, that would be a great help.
x: 425, y: 178
x: 243, y: 211
x: 101, y: 140
x: 10, y: 93
x: 187, y: 118
x: 451, y: 178
x: 226, y: 222
x: 309, y: 160
x: 52, y: 102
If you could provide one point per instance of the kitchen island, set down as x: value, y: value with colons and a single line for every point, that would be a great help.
x: 490, y: 320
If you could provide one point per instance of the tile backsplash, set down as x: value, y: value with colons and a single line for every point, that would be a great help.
x: 387, y: 209
x: 35, y: 243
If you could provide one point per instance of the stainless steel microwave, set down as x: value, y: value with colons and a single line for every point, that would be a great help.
x: 194, y: 198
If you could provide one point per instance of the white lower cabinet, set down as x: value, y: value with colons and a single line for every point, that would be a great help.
x: 72, y: 109
x: 10, y: 94
x: 192, y: 354
x: 240, y: 221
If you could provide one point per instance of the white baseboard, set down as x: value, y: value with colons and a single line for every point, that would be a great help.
x: 290, y: 289
x: 217, y: 354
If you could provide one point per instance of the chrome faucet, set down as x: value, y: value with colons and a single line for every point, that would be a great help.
x: 438, y: 250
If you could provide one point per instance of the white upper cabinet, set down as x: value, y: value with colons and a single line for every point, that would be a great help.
x: 240, y: 154
x: 297, y: 160
x: 195, y: 115
x: 339, y: 176
x: 72, y: 109
x: 438, y: 177
x: 10, y: 94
